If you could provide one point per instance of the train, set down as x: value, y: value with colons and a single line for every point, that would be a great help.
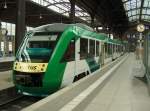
x: 54, y: 56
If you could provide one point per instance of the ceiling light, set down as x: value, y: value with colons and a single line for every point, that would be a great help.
x: 5, y: 5
x: 41, y: 16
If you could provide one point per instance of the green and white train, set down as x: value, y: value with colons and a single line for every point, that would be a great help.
x: 56, y: 55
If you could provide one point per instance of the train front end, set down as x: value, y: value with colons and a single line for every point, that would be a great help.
x: 31, y: 64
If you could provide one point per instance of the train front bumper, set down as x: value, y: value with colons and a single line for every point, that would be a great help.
x: 33, y: 84
x: 35, y: 91
x: 32, y: 79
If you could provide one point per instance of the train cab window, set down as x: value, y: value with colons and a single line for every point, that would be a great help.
x: 70, y: 52
x: 92, y: 48
x: 97, y: 48
x: 38, y: 47
x: 83, y: 48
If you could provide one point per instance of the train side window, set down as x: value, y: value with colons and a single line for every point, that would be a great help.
x: 70, y: 52
x: 97, y: 48
x: 83, y: 48
x: 117, y: 48
x: 106, y: 50
x: 92, y: 48
x: 113, y: 48
x: 109, y: 50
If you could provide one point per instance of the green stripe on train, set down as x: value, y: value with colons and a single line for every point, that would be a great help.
x: 55, y: 70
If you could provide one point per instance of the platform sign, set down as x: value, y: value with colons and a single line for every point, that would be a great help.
x: 140, y: 28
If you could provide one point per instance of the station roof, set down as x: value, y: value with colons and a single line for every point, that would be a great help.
x: 114, y: 14
x: 110, y: 13
x: 36, y: 14
x: 106, y: 12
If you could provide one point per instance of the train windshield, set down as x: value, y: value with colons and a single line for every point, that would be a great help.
x: 38, y: 47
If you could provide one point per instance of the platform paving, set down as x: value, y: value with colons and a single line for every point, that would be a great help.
x: 123, y: 92
x: 5, y: 79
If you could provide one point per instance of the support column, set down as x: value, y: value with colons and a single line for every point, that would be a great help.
x: 20, y: 23
x: 92, y: 20
x: 72, y: 11
x: 140, y: 38
x: 108, y: 31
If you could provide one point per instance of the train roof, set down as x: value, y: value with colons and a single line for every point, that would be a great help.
x: 60, y: 27
x: 56, y: 27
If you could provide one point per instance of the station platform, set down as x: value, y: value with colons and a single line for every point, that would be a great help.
x: 6, y: 63
x: 116, y: 90
x: 123, y: 92
x: 6, y: 59
x: 6, y: 79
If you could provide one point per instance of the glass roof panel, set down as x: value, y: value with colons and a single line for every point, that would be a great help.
x: 63, y: 7
x: 143, y: 16
x: 124, y: 0
x: 130, y: 18
x: 134, y: 17
x: 133, y: 12
x: 135, y: 9
x: 138, y: 3
x: 144, y: 11
x: 146, y: 3
x: 129, y: 13
x: 146, y: 17
x: 148, y: 11
x: 131, y: 7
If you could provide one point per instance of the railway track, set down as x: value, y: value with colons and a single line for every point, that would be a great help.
x: 10, y: 100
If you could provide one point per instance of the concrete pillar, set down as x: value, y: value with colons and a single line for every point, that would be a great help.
x: 20, y: 23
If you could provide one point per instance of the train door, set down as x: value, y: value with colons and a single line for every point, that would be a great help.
x: 113, y: 52
x: 77, y: 60
x: 77, y: 56
x: 81, y: 55
x: 111, y: 48
x: 102, y: 53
